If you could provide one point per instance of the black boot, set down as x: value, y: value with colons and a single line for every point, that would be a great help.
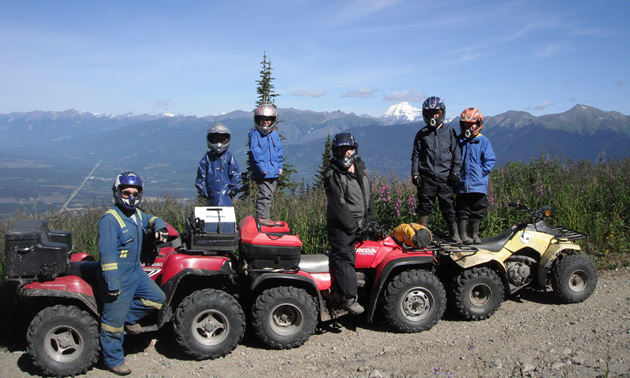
x: 423, y: 220
x: 463, y: 231
x: 453, y: 234
x: 474, y: 227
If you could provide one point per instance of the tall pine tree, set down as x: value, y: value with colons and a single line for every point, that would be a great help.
x: 266, y: 95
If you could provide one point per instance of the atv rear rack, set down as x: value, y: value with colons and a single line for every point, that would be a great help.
x: 569, y: 234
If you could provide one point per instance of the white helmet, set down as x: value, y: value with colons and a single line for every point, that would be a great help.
x: 265, y: 111
x: 218, y: 138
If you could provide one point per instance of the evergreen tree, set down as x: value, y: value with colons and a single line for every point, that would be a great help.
x: 326, y: 156
x: 266, y: 95
x: 265, y: 88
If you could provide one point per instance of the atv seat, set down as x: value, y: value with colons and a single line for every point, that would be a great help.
x: 314, y: 263
x: 496, y: 243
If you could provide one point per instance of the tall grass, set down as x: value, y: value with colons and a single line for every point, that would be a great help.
x: 593, y: 198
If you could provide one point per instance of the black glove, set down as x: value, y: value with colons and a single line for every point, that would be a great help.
x: 161, y: 235
x: 358, y: 234
x: 113, y: 294
x: 453, y: 179
x: 416, y: 180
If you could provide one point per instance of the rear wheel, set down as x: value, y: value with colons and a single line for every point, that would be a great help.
x: 63, y: 340
x: 477, y: 293
x: 209, y: 324
x: 284, y: 317
x: 574, y: 279
x: 414, y: 301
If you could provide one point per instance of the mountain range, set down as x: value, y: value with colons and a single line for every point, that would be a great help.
x: 44, y: 156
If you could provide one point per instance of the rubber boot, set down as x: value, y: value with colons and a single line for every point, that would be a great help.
x: 424, y: 220
x: 463, y: 231
x: 453, y: 234
x: 474, y: 227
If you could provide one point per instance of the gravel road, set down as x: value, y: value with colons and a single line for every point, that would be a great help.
x: 530, y: 335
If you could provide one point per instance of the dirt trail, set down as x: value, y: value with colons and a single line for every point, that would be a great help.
x: 530, y: 335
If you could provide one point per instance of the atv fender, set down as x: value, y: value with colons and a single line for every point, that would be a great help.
x: 552, y: 253
x: 69, y: 287
x: 385, y: 271
x: 170, y: 287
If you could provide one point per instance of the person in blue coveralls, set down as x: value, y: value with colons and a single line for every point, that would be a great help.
x: 477, y: 162
x: 265, y: 159
x: 129, y: 293
x: 218, y: 176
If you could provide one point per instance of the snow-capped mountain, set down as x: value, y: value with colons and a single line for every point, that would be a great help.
x: 402, y: 113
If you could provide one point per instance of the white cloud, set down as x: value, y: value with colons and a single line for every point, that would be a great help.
x: 162, y: 104
x: 309, y: 93
x: 361, y: 93
x: 409, y: 96
x: 543, y: 105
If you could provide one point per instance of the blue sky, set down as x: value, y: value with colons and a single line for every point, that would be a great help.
x: 203, y: 57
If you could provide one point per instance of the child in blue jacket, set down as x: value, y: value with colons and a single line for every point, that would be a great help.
x: 265, y: 159
x: 218, y: 176
x: 477, y: 162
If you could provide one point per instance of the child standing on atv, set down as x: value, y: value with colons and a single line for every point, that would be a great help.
x: 218, y: 176
x: 477, y: 161
x: 265, y: 159
x: 350, y: 208
x: 435, y: 165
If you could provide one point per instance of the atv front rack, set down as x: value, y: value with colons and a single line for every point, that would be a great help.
x: 569, y: 234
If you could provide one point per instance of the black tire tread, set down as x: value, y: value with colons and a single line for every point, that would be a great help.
x: 457, y: 301
x: 71, y: 315
x: 565, y: 267
x: 200, y: 300
x: 398, y: 284
x: 268, y: 299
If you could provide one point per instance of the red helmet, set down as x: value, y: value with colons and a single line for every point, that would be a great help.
x: 471, y: 116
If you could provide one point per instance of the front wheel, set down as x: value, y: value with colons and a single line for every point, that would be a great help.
x: 574, y: 279
x: 209, y: 324
x: 477, y: 293
x: 284, y: 317
x: 414, y: 301
x: 63, y: 340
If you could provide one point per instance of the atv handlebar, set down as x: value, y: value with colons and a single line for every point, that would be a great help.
x: 536, y: 214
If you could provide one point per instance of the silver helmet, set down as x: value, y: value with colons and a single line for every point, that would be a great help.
x: 218, y: 138
x: 265, y: 111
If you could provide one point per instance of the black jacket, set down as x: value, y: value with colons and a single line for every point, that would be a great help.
x: 343, y: 196
x: 436, y: 153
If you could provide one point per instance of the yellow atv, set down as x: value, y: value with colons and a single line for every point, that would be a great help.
x: 478, y: 276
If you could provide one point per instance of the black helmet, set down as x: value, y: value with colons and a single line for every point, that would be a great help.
x: 429, y: 107
x: 344, y: 140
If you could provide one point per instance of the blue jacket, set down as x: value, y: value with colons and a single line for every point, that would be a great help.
x: 265, y: 154
x: 435, y: 153
x: 218, y: 176
x: 477, y: 161
x: 120, y: 244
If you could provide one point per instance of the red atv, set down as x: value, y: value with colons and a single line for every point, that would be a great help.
x: 293, y: 291
x: 63, y: 337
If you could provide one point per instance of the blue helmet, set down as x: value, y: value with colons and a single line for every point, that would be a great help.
x: 344, y: 140
x: 429, y: 107
x: 123, y: 181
